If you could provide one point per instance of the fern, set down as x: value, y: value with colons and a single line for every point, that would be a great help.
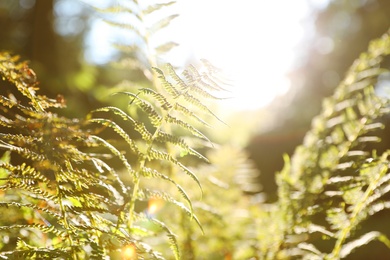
x: 78, y: 188
x: 137, y: 19
x: 160, y: 110
x: 331, y: 185
x: 69, y: 169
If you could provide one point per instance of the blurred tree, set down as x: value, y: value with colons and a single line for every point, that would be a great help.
x: 52, y: 34
x: 342, y: 31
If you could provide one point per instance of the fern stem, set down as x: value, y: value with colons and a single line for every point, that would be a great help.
x: 66, y: 224
x: 142, y: 164
x: 134, y: 197
x: 354, y: 215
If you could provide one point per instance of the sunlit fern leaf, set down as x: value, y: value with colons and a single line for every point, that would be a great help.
x: 159, y: 97
x: 332, y: 163
x: 28, y: 154
x: 138, y: 126
x: 129, y: 49
x: 154, y: 117
x: 46, y: 229
x: 194, y: 83
x: 147, y: 172
x: 186, y: 126
x: 363, y: 240
x: 97, y: 252
x: 144, y: 248
x: 212, y: 79
x: 161, y: 155
x: 118, y: 130
x: 171, y: 237
x: 165, y: 137
x: 162, y: 23
x: 130, y: 63
x: 115, y: 152
x: 24, y: 171
x: 196, y: 102
x: 176, y: 79
x: 156, y: 7
x: 124, y: 26
x: 20, y: 75
x: 30, y: 206
x: 166, y: 47
x: 34, y: 191
x: 185, y: 111
x: 171, y: 90
x: 37, y: 253
x: 168, y: 198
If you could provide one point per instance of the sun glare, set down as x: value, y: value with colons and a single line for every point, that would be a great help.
x: 154, y: 205
x: 252, y: 41
x: 129, y: 253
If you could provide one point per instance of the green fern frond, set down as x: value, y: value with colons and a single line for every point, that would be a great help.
x: 154, y: 117
x: 171, y: 237
x: 37, y: 253
x: 166, y: 47
x: 147, y: 172
x: 332, y: 167
x: 162, y: 23
x: 159, y: 97
x: 129, y: 49
x: 186, y: 126
x: 168, y: 87
x: 186, y: 112
x: 153, y: 8
x: 160, y: 155
x: 46, y: 229
x: 363, y: 240
x: 127, y: 26
x: 177, y: 80
x: 168, y: 138
x: 138, y: 126
x: 118, y: 130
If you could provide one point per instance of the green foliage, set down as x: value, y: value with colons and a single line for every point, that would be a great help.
x: 65, y: 183
x: 334, y: 182
x: 123, y: 182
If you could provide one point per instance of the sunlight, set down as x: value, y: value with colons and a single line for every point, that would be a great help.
x: 129, y: 252
x: 154, y: 205
x: 252, y: 41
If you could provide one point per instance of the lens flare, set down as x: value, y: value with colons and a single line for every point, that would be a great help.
x: 154, y: 205
x: 129, y: 252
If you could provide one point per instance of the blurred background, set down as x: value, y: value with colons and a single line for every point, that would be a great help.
x: 282, y: 56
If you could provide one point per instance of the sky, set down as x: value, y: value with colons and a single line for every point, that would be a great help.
x: 255, y: 42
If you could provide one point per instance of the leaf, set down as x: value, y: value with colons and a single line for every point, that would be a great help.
x: 162, y: 23
x: 118, y: 130
x: 154, y: 117
x: 363, y: 240
x: 166, y: 47
x: 116, y: 153
x: 153, y: 8
x: 159, y: 97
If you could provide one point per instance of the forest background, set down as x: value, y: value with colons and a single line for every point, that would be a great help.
x: 27, y: 29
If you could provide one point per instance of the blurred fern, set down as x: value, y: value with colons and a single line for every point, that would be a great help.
x: 66, y: 182
x: 140, y: 22
x: 332, y: 182
x: 120, y: 183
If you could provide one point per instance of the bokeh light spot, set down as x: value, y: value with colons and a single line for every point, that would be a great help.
x: 129, y: 252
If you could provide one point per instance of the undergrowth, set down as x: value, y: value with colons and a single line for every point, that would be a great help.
x: 133, y: 182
